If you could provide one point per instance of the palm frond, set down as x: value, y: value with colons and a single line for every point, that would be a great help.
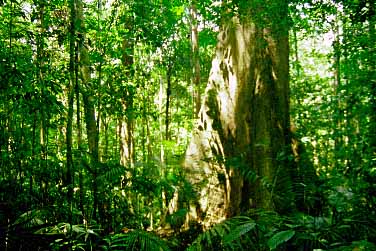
x: 111, y: 173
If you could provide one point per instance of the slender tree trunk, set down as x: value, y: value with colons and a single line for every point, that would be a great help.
x: 72, y: 78
x: 33, y: 153
x: 146, y: 146
x: 89, y: 107
x: 148, y: 135
x: 99, y: 113
x: 69, y: 143
x: 105, y: 122
x: 127, y: 153
x: 372, y: 75
x: 79, y: 139
x: 243, y: 126
x: 195, y: 58
x: 168, y: 99
x: 124, y: 153
x: 41, y: 70
x: 161, y: 152
x: 296, y: 53
x: 338, y: 119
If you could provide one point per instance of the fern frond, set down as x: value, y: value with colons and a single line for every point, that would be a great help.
x: 111, y: 174
x: 223, y: 235
x: 137, y: 240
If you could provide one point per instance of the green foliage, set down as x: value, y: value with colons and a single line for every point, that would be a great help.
x: 265, y: 230
x: 135, y: 240
x: 332, y: 113
x: 131, y: 45
x: 74, y: 237
x: 280, y: 238
x: 176, y: 220
x: 357, y: 245
x: 226, y: 235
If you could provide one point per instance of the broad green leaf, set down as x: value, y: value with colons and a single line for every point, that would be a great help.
x: 280, y: 238
x: 239, y: 231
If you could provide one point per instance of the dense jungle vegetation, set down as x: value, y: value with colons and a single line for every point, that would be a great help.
x: 187, y: 125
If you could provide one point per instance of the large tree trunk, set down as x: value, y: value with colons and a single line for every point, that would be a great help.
x: 235, y: 159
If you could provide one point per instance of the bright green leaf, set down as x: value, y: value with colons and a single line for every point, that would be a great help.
x: 280, y: 238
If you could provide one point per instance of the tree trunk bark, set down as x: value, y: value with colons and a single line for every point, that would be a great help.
x: 88, y: 102
x: 235, y: 159
x: 72, y: 79
x: 195, y: 58
x: 168, y: 99
x: 372, y: 76
x: 127, y: 153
